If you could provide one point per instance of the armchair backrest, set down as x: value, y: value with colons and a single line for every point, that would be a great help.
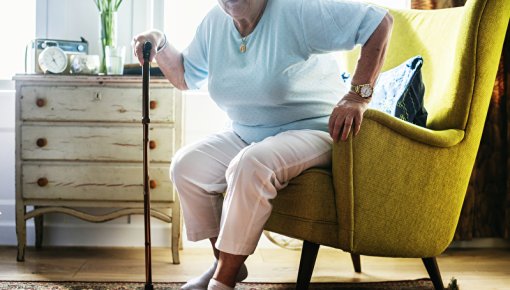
x: 461, y: 48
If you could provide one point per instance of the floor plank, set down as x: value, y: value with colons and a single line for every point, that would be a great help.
x: 474, y: 268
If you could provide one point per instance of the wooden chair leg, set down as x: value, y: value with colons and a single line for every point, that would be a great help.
x: 308, y: 257
x: 433, y: 270
x: 356, y: 262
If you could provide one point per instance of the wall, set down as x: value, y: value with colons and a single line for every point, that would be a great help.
x: 7, y: 229
x: 70, y: 19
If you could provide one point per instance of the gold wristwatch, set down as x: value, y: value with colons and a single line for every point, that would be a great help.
x: 365, y: 91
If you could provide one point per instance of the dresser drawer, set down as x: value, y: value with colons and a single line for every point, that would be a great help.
x: 94, y: 103
x: 94, y: 181
x: 108, y: 143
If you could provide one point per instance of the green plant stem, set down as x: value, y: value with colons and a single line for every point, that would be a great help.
x: 107, y: 5
x: 107, y: 10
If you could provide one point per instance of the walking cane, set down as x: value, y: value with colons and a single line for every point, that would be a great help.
x: 146, y: 189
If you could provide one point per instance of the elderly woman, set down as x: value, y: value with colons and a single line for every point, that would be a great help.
x: 267, y: 67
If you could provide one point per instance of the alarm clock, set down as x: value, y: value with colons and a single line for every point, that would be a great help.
x: 35, y: 47
x: 53, y: 60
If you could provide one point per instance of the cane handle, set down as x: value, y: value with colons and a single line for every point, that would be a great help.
x: 147, y: 47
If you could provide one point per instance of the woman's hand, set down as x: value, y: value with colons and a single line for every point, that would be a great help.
x: 156, y: 37
x: 348, y: 113
x: 169, y: 59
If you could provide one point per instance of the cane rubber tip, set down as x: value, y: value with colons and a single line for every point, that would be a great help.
x: 147, y: 47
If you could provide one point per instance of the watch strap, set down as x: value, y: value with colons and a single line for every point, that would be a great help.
x: 357, y: 90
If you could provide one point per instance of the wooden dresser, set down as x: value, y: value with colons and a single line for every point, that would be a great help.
x: 79, y: 145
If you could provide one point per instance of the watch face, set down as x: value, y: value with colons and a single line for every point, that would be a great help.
x: 53, y: 59
x: 366, y: 91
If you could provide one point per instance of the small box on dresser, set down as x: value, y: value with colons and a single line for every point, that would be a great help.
x: 79, y: 144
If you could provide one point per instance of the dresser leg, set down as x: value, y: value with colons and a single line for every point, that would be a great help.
x: 21, y: 231
x: 39, y: 228
x: 176, y: 230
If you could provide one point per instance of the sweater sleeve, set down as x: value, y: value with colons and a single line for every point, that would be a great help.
x: 332, y: 25
x: 196, y: 58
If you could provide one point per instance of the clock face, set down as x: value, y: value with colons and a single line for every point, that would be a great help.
x: 366, y: 91
x: 53, y: 59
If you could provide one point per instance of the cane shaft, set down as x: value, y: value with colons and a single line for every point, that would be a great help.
x: 147, y: 206
x: 146, y: 188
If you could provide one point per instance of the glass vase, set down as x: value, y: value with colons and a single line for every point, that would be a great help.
x: 108, y: 34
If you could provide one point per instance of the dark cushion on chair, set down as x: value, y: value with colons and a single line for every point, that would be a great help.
x: 399, y: 92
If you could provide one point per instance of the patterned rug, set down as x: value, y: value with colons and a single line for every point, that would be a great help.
x: 422, y: 284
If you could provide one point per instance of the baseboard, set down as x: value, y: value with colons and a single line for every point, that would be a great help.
x: 90, y: 236
x: 8, y: 236
x: 131, y: 235
x: 481, y: 243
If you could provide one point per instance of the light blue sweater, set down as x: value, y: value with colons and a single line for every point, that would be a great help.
x: 285, y: 80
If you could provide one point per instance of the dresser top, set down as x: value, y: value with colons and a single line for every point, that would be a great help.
x: 87, y: 78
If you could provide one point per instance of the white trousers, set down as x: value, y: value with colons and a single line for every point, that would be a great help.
x: 250, y: 175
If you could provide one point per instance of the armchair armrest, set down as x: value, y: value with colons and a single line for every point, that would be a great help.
x: 397, y: 185
x: 443, y: 138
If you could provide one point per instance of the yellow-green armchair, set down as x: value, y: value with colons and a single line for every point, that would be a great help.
x: 397, y: 189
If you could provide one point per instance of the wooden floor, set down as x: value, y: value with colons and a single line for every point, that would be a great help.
x: 474, y: 269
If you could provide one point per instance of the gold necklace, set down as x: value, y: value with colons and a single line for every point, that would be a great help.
x: 244, y: 40
x: 242, y: 48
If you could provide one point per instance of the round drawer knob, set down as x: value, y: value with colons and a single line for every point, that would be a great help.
x: 41, y: 142
x: 43, y: 181
x: 153, y: 105
x: 40, y: 102
x: 152, y: 184
x: 152, y: 144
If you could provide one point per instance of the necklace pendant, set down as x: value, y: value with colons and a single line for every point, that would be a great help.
x: 242, y: 48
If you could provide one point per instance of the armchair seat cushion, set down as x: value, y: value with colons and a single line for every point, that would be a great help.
x: 305, y: 209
